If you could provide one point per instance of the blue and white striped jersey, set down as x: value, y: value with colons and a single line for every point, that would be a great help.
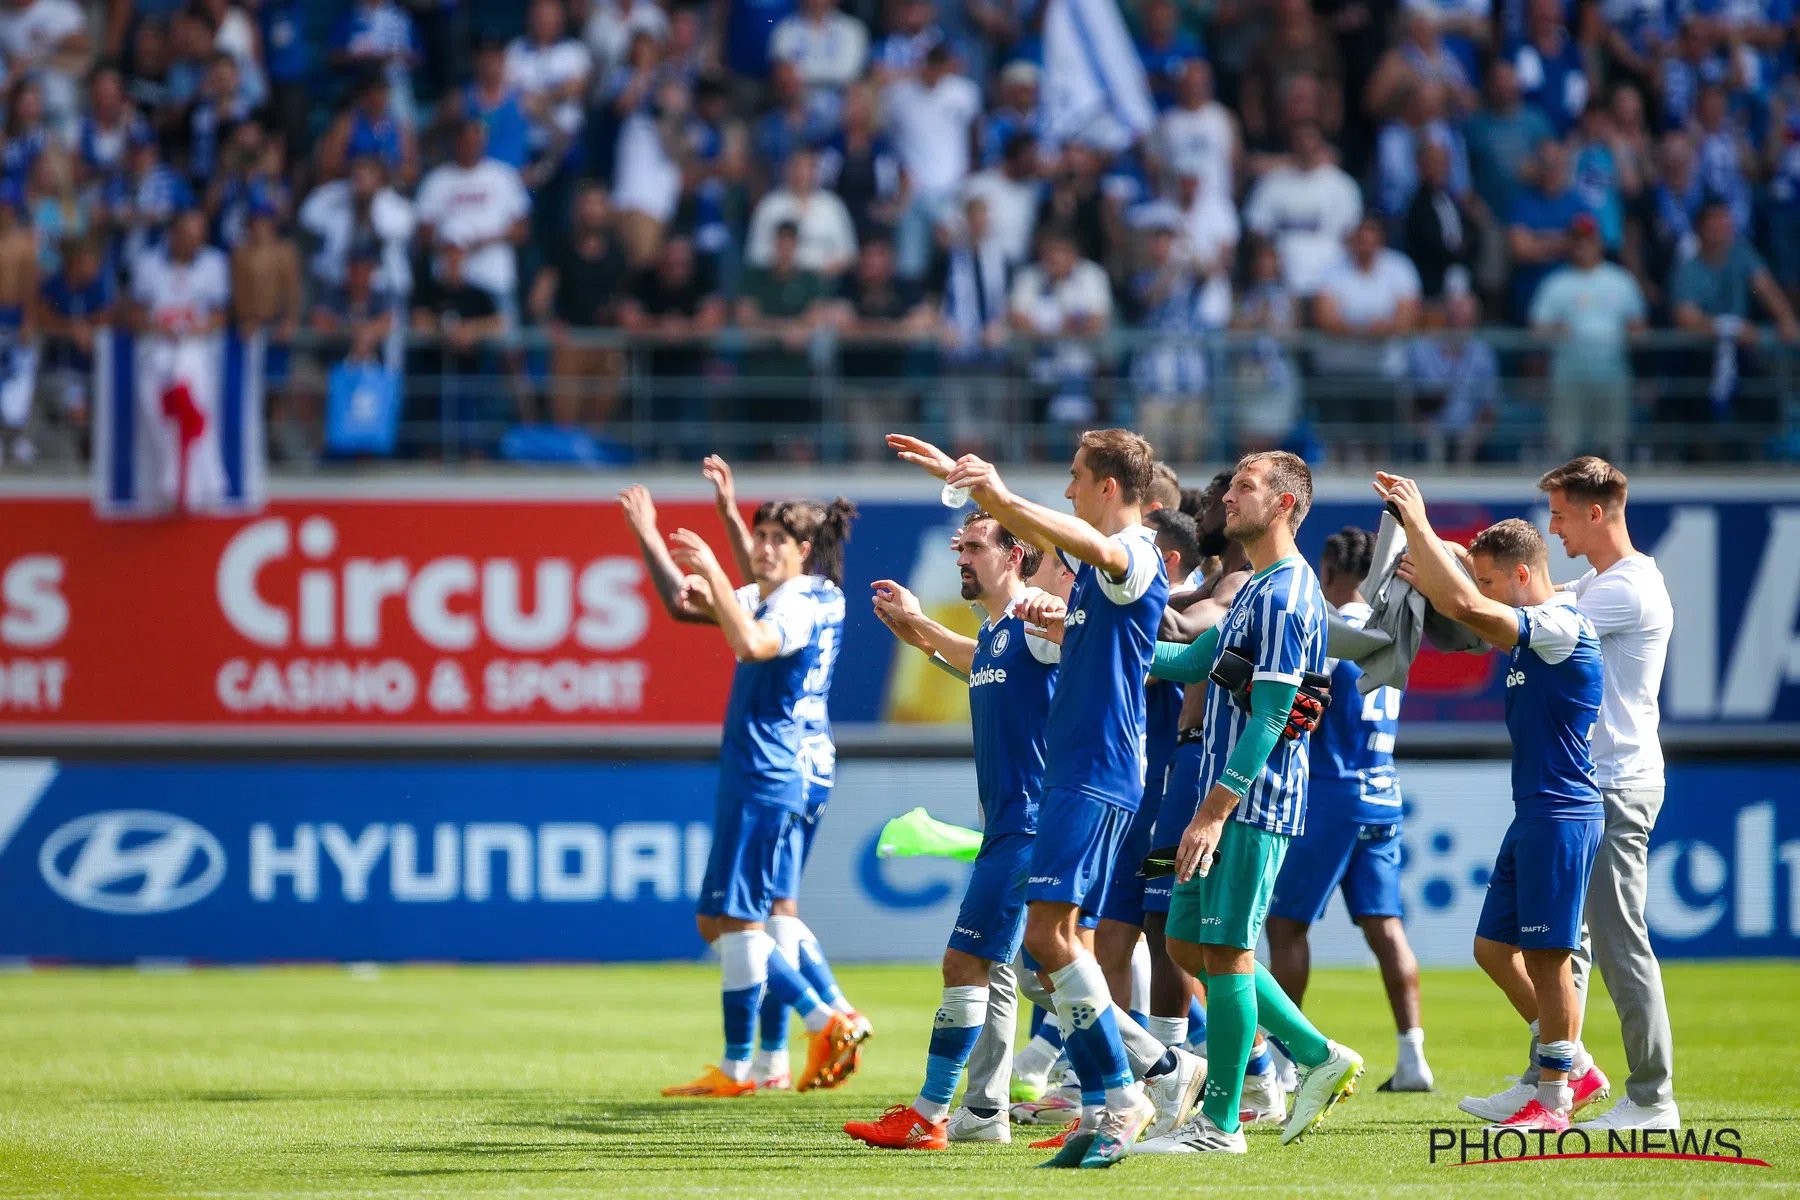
x: 1277, y: 621
x: 1096, y: 730
x: 777, y: 710
x: 1010, y: 685
x: 1554, y: 684
x: 1351, y: 757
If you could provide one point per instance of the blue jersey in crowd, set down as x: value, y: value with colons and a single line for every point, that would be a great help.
x: 1096, y: 728
x: 1010, y: 685
x: 775, y: 704
x: 1553, y: 686
x: 1277, y: 621
x: 1351, y: 753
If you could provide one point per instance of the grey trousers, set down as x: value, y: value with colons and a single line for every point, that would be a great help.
x: 1617, y: 941
x: 990, y: 1062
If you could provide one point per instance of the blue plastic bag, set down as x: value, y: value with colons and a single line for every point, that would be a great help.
x: 362, y: 410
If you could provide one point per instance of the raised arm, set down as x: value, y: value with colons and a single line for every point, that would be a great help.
x: 750, y: 640
x: 737, y: 534
x: 665, y: 576
x: 1434, y: 571
x: 1187, y: 622
x: 1036, y: 524
x: 899, y: 609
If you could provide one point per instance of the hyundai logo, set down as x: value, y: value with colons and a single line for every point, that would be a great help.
x: 132, y: 862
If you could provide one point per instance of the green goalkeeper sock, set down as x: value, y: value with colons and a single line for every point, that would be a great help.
x: 1286, y: 1023
x: 1230, y: 1030
x: 917, y: 834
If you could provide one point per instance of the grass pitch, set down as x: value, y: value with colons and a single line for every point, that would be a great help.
x: 542, y: 1081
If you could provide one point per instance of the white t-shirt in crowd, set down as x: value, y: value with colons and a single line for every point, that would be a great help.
x: 1209, y: 232
x: 329, y: 214
x: 931, y: 132
x: 473, y: 204
x: 827, y: 235
x: 1630, y: 608
x: 1012, y: 206
x: 1085, y: 291
x: 1364, y: 297
x: 29, y: 35
x: 829, y: 54
x: 535, y: 69
x: 645, y: 178
x: 1308, y: 214
x: 609, y: 30
x: 180, y: 296
x: 1199, y: 141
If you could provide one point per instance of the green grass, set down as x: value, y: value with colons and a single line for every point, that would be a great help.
x: 542, y: 1081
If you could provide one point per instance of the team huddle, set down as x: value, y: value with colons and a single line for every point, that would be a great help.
x: 1177, y: 750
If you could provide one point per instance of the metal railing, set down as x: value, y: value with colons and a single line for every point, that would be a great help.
x: 1200, y: 397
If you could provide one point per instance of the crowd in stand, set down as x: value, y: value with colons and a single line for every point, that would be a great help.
x: 880, y: 171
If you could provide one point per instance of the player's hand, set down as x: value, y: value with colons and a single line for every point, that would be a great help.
x: 694, y: 595
x: 718, y: 473
x: 640, y: 511
x: 920, y: 453
x: 1404, y: 495
x: 1044, y: 610
x: 981, y: 477
x: 692, y: 554
x: 1406, y: 571
x: 1199, y: 842
x: 896, y: 599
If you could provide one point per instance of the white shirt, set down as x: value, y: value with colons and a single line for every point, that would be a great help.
x: 1209, y: 232
x: 827, y: 235
x: 1084, y: 292
x: 608, y: 32
x: 329, y: 215
x: 179, y: 296
x: 1011, y: 208
x: 645, y: 178
x: 1631, y: 611
x: 535, y: 69
x: 1308, y: 214
x: 830, y: 54
x: 931, y: 132
x: 1199, y: 142
x: 1364, y: 297
x: 470, y: 205
x: 30, y: 35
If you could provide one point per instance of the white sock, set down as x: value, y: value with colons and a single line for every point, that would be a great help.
x: 962, y: 1007
x: 1555, y: 1096
x: 1170, y: 1031
x: 768, y: 1064
x: 1584, y: 1062
x: 1140, y: 977
x: 738, y: 1069
x: 1081, y: 996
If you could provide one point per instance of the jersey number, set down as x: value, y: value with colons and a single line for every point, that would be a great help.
x: 1382, y: 704
x: 821, y: 670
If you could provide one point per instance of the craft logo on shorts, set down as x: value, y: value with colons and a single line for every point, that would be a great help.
x: 1469, y: 1146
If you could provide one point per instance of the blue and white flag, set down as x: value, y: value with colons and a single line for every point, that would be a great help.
x: 1095, y: 89
x: 178, y: 424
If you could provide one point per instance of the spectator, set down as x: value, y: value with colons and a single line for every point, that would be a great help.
x: 1370, y: 301
x: 1455, y: 382
x: 1589, y: 308
x: 579, y: 290
x: 1421, y: 60
x: 147, y: 83
x: 1397, y: 152
x: 972, y: 277
x: 1693, y: 65
x: 1674, y: 212
x: 1442, y: 236
x: 714, y: 166
x: 1179, y: 302
x: 490, y: 99
x: 368, y: 127
x: 1076, y: 200
x: 140, y: 203
x: 902, y: 53
x: 57, y: 210
x: 859, y: 165
x: 673, y: 304
x: 360, y: 311
x: 1166, y: 49
x: 1063, y: 301
x: 72, y: 306
x: 1199, y: 136
x: 48, y: 41
x: 1600, y: 178
x: 1723, y: 155
x: 1264, y: 382
x: 220, y: 106
x: 360, y: 209
x: 1537, y: 234
x: 784, y: 302
x: 378, y: 33
x: 479, y: 204
x: 108, y: 127
x: 1208, y: 237
x: 1710, y: 295
x: 190, y: 49
x: 460, y: 315
x: 828, y: 49
x: 1502, y: 139
x: 27, y: 133
x: 646, y: 175
x: 793, y: 122
x: 1782, y: 163
x: 827, y: 236
x: 1011, y: 192
x: 266, y: 294
x: 749, y: 25
x: 1301, y: 100
x: 288, y: 55
x: 1299, y: 45
x: 234, y: 33
x: 877, y: 314
x: 1307, y: 209
x: 1015, y: 112
x: 1638, y: 33
x: 183, y: 290
x: 613, y: 25
x: 1547, y: 61
x: 932, y: 118
x: 552, y: 73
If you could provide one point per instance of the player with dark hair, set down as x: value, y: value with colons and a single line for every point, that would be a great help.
x: 785, y: 629
x: 1531, y: 919
x: 1352, y: 835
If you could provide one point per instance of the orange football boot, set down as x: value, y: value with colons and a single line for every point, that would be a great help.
x: 714, y: 1083
x: 830, y: 1055
x: 901, y: 1128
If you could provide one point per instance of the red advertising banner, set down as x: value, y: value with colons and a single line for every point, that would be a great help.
x: 355, y: 617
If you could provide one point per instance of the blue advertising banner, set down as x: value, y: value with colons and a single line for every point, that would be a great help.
x: 521, y: 861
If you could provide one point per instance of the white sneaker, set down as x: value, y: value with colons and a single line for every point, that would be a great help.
x: 1410, y: 1077
x: 1197, y: 1136
x: 1500, y: 1105
x: 1055, y: 1107
x: 1176, y: 1093
x: 1628, y: 1114
x: 965, y: 1126
x: 1321, y: 1087
x: 1263, y: 1101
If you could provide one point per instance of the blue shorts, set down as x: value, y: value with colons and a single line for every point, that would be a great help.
x: 800, y: 842
x: 1364, y: 859
x: 750, y: 842
x: 1077, y: 844
x: 1539, y: 885
x: 1125, y: 896
x: 1180, y: 799
x: 991, y: 922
